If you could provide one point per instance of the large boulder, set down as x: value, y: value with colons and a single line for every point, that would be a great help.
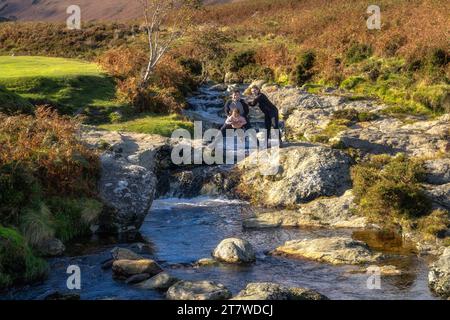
x: 198, y: 290
x: 234, y: 250
x: 162, y: 281
x: 336, y: 250
x: 274, y: 291
x: 389, y: 135
x: 300, y: 174
x: 336, y: 212
x: 128, y: 176
x: 123, y: 269
x: 439, y: 275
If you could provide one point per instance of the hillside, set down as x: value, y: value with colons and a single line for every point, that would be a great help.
x: 55, y: 10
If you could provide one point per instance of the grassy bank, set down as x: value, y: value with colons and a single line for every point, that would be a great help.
x: 149, y: 123
x: 69, y: 85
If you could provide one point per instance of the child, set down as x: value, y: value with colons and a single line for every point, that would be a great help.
x: 236, y: 120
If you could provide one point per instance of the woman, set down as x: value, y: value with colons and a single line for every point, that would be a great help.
x: 271, y: 113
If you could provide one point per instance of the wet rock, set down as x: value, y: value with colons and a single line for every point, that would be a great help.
x: 273, y: 291
x: 189, y: 183
x: 234, y: 250
x: 206, y: 262
x: 198, y: 290
x: 301, y: 174
x: 137, y: 278
x: 162, y: 281
x: 336, y: 250
x: 336, y: 212
x: 124, y: 254
x: 128, y: 176
x: 123, y: 269
x: 51, y: 247
x: 439, y: 275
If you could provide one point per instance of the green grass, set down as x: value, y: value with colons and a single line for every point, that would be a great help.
x: 69, y: 85
x: 148, y: 123
x: 18, y: 264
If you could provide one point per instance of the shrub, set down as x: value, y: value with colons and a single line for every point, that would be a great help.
x: 192, y: 65
x: 439, y: 57
x: 390, y: 186
x: 303, y: 73
x: 435, y: 223
x: 72, y: 217
x: 48, y: 146
x: 358, y: 52
x: 237, y: 61
x: 17, y: 262
x: 18, y: 188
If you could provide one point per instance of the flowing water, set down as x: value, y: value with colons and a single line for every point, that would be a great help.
x: 183, y: 231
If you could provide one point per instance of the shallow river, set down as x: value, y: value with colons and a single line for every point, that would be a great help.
x: 183, y: 231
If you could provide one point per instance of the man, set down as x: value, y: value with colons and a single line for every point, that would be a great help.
x: 271, y: 113
x: 236, y: 102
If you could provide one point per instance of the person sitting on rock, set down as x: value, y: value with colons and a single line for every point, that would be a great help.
x: 236, y: 120
x: 236, y: 103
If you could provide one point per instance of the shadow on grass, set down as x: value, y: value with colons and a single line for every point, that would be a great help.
x: 68, y: 94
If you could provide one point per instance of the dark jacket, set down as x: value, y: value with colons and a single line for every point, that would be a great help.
x: 244, y: 105
x: 266, y: 106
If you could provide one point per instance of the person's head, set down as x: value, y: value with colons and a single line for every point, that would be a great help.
x: 255, y: 90
x: 235, y: 113
x: 235, y: 95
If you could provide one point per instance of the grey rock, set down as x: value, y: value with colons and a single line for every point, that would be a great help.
x: 438, y: 171
x: 51, y: 247
x: 198, y: 290
x: 336, y: 212
x: 162, y: 281
x: 439, y: 275
x: 124, y: 254
x: 336, y: 250
x: 302, y: 174
x: 124, y: 269
x: 234, y: 250
x: 274, y: 291
x: 128, y: 176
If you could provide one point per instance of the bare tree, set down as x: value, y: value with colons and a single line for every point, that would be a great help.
x: 165, y: 21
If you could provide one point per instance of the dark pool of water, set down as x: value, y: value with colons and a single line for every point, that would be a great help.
x: 183, y: 231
